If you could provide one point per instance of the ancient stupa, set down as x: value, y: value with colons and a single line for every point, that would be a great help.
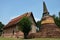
x: 48, y: 26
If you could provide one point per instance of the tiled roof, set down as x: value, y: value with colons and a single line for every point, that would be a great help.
x: 17, y: 19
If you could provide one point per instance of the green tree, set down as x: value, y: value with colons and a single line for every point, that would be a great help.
x: 59, y: 15
x: 38, y: 25
x: 1, y: 28
x: 25, y: 26
x: 57, y: 20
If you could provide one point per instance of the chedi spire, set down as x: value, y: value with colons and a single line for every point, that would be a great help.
x: 44, y: 8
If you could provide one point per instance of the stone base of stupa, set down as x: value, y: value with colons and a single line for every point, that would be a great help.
x: 47, y: 31
x: 50, y: 30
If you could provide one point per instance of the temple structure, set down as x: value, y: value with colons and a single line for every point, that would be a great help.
x: 48, y: 26
x: 11, y: 29
x: 46, y: 18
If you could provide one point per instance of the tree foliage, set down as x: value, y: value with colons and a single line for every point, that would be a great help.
x: 38, y: 25
x: 25, y: 26
x: 1, y: 28
x: 57, y: 20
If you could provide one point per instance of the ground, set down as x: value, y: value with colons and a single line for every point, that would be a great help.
x: 1, y: 38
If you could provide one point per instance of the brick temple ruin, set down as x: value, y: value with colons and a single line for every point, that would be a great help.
x: 48, y: 27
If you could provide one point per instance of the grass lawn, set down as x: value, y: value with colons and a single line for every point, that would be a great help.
x: 29, y: 39
x: 1, y: 38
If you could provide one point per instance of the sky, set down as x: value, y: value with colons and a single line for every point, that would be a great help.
x: 10, y: 9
